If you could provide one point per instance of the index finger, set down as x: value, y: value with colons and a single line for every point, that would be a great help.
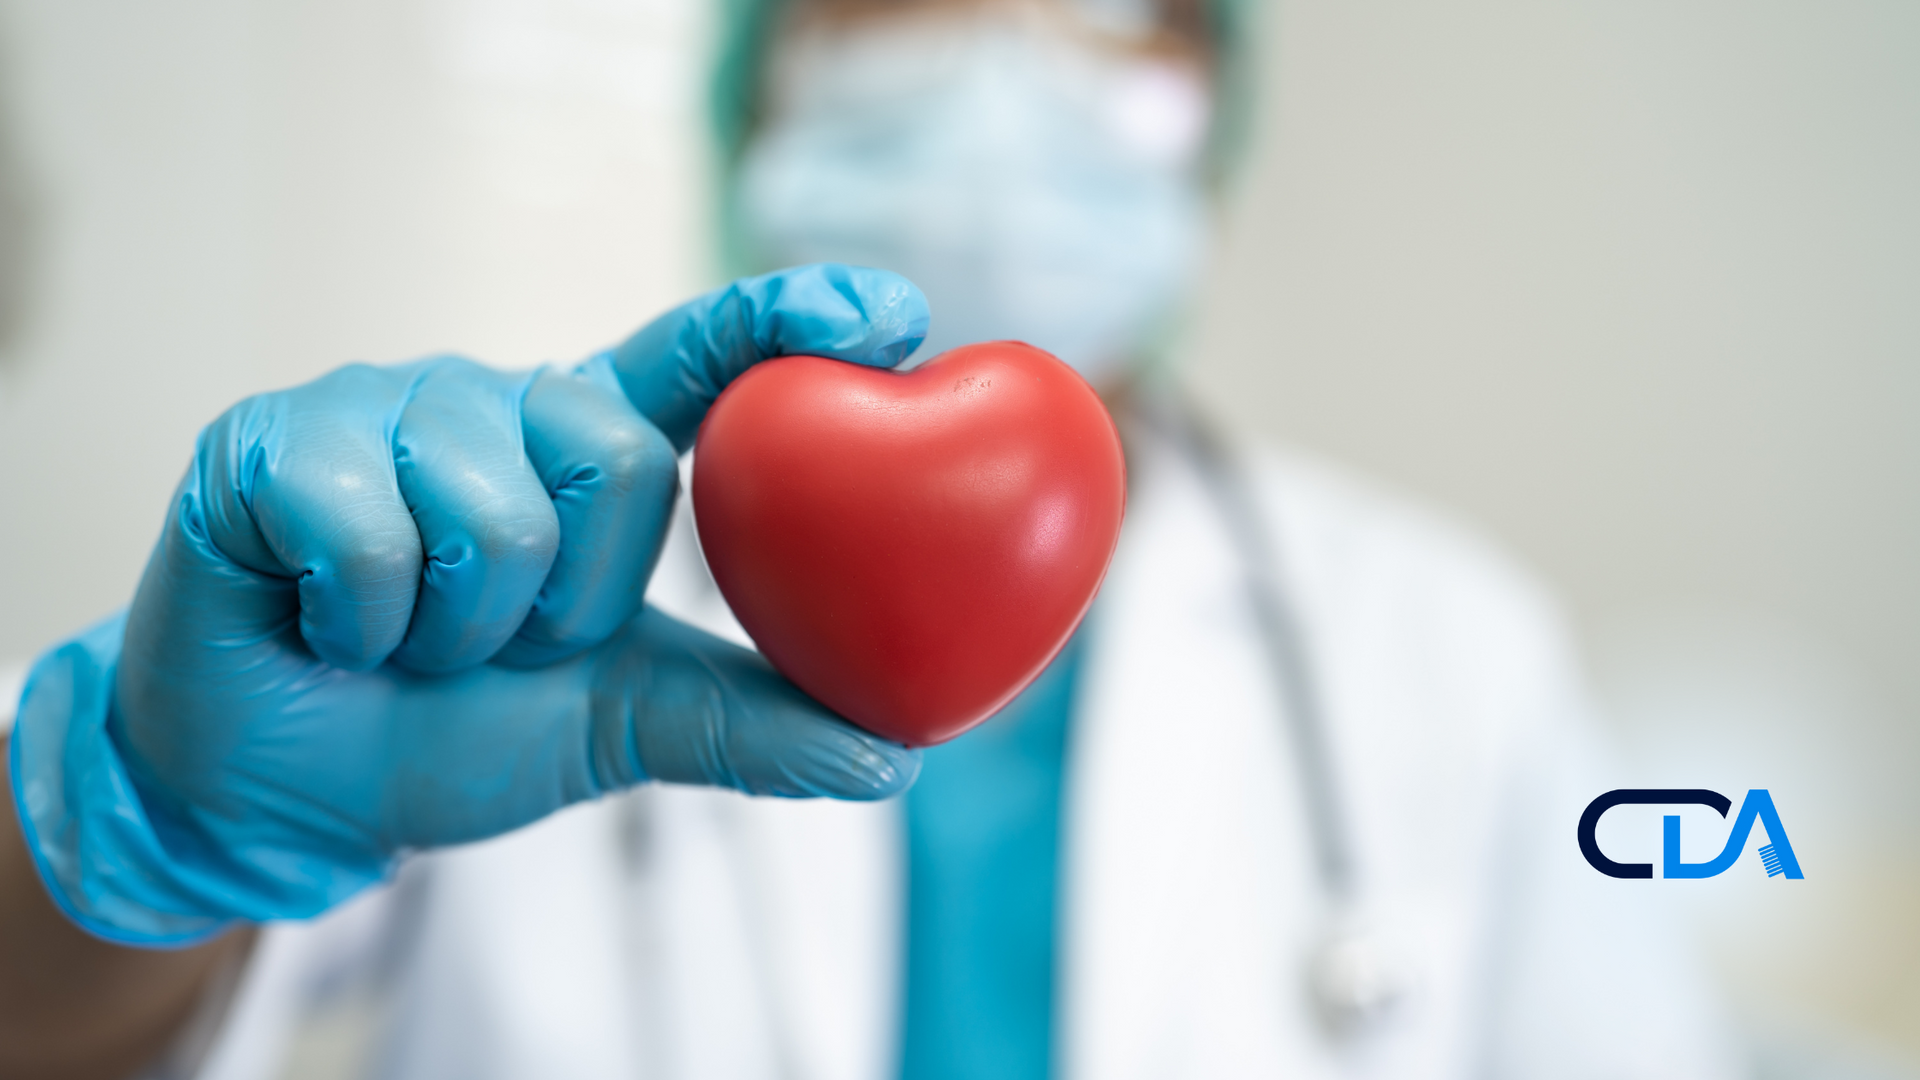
x: 675, y: 366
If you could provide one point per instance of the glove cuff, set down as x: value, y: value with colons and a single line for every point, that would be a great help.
x: 88, y: 831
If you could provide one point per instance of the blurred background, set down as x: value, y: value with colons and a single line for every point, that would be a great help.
x: 1633, y: 286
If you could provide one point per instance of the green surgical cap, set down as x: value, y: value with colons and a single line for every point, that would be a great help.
x: 748, y: 29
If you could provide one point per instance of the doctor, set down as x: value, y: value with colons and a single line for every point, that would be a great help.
x: 1296, y: 802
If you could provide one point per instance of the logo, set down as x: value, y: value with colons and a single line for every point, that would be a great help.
x: 1776, y: 855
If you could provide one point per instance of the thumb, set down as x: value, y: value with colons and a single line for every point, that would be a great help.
x: 471, y: 755
x: 675, y: 366
x: 674, y: 703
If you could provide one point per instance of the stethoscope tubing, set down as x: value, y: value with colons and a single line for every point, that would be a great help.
x: 1282, y: 639
x: 1355, y: 978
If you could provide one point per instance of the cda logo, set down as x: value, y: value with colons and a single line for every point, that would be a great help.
x: 1776, y: 855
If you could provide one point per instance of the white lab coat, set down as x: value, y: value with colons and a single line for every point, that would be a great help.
x: 685, y: 933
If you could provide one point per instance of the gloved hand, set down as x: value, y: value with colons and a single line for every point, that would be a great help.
x: 401, y: 607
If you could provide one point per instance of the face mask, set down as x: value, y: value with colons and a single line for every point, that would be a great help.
x: 1035, y: 187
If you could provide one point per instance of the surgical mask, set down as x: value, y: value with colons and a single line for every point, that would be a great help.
x: 1037, y: 187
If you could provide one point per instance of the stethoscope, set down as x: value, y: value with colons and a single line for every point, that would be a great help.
x: 1357, y: 981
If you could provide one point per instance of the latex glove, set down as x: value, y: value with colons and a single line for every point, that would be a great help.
x: 300, y: 691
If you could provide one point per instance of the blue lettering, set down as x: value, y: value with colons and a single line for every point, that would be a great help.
x: 1777, y: 855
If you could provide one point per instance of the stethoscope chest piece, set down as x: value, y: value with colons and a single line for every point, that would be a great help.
x: 1359, y: 981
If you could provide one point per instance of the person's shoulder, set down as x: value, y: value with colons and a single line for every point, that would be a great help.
x: 1355, y: 548
x: 1342, y: 519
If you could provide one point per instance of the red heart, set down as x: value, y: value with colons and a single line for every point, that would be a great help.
x: 912, y: 548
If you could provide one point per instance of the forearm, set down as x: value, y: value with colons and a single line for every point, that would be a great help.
x: 72, y: 1005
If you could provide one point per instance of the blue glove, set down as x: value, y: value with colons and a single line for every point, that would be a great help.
x: 402, y: 607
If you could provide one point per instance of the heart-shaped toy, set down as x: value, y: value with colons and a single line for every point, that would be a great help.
x: 912, y: 549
